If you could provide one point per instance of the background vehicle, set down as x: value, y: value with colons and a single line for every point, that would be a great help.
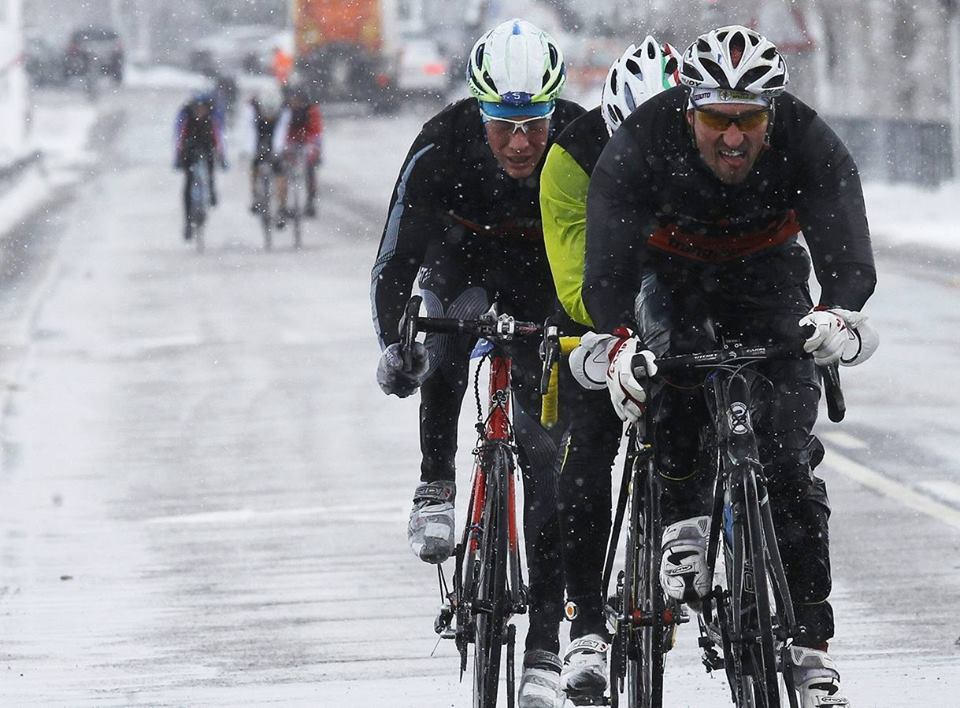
x: 230, y: 50
x: 96, y: 49
x: 342, y: 49
x: 422, y: 67
x: 43, y: 62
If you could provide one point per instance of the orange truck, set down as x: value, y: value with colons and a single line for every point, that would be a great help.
x: 344, y: 50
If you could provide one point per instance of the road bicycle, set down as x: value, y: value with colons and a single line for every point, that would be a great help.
x: 488, y: 586
x: 746, y: 626
x: 198, y: 172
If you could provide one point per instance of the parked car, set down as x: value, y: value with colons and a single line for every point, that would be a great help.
x: 229, y: 51
x: 422, y: 68
x: 97, y: 49
x: 42, y: 61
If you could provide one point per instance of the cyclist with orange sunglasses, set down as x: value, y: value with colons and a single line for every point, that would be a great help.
x: 693, y: 216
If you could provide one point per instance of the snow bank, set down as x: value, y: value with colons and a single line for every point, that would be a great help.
x: 901, y: 214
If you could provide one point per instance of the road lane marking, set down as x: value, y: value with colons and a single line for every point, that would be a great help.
x: 948, y: 491
x: 844, y: 440
x: 895, y: 490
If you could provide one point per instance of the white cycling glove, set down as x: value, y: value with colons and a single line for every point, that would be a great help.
x: 394, y: 378
x: 591, y: 359
x: 839, y: 336
x: 626, y: 391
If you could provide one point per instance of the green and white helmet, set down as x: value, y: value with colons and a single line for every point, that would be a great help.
x: 638, y: 74
x: 515, y: 65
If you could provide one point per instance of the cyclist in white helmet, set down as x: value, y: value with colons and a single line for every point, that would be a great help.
x: 594, y: 433
x: 465, y: 214
x: 694, y: 210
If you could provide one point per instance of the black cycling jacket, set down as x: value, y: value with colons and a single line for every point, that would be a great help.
x: 650, y: 193
x: 450, y: 183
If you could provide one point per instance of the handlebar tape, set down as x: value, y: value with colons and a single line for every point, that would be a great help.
x: 549, y: 402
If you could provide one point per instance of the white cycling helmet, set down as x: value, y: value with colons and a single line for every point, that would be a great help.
x: 639, y: 73
x: 515, y: 65
x: 734, y: 58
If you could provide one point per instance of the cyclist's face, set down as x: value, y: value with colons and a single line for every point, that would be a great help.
x: 730, y: 149
x: 517, y: 150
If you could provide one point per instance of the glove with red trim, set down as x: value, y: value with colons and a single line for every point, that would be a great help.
x: 840, y: 336
x: 627, y: 392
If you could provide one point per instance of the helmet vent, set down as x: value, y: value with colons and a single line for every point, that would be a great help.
x: 553, y: 55
x: 702, y: 46
x: 770, y: 53
x: 671, y: 66
x: 613, y: 80
x: 615, y: 115
x: 751, y: 76
x: 489, y: 81
x: 715, y: 72
x: 478, y: 56
x: 737, y: 46
x: 651, y: 51
x: 692, y: 73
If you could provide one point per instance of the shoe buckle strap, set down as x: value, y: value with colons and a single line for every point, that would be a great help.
x: 435, y: 491
x: 587, y: 645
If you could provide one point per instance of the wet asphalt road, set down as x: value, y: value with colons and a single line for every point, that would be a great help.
x: 204, y: 494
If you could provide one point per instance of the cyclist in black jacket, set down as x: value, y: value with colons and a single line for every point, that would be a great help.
x: 465, y: 215
x: 693, y: 215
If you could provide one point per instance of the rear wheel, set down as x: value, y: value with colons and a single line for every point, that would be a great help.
x: 491, y: 602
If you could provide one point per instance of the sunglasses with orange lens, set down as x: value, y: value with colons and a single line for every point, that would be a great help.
x: 715, y: 120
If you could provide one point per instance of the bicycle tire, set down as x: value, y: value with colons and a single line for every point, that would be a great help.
x: 763, y: 661
x: 653, y: 602
x: 491, y: 595
x: 646, y: 659
x: 199, y: 193
x: 266, y: 213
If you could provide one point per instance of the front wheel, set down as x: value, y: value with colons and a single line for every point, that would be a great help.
x: 491, y: 604
x: 644, y: 602
x: 760, y: 657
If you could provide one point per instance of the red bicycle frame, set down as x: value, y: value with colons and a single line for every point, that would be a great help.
x: 497, y: 429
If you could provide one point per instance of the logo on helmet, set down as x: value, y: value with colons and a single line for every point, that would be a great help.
x: 516, y: 98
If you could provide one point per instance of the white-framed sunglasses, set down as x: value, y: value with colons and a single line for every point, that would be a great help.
x: 512, y: 126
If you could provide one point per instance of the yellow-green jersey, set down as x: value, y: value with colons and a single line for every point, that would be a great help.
x: 563, y: 206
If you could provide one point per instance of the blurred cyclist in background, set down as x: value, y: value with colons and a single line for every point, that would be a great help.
x: 199, y: 136
x: 300, y: 126
x: 260, y: 122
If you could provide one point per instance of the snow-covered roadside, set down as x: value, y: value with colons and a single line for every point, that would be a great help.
x: 60, y: 134
x: 903, y: 214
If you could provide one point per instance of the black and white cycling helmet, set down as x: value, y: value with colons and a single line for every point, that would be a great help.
x: 638, y: 74
x: 734, y: 58
x: 515, y: 65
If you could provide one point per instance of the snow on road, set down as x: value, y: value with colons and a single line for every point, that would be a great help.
x: 205, y: 493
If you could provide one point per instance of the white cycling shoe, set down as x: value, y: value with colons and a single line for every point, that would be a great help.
x: 430, y: 530
x: 683, y: 566
x: 816, y: 677
x: 540, y: 681
x: 584, y: 672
